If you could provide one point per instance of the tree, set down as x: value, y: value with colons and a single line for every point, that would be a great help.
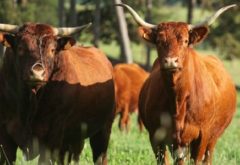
x: 96, y: 23
x: 226, y: 35
x: 125, y: 42
x: 190, y: 4
x: 73, y: 13
x: 61, y: 13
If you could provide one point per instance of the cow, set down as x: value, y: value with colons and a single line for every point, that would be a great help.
x: 189, y: 99
x: 53, y: 95
x: 128, y: 80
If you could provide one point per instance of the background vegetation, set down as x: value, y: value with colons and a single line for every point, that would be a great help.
x: 224, y: 36
x: 223, y: 40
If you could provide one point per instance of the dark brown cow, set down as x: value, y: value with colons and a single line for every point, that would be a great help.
x: 128, y: 80
x: 53, y: 95
x: 188, y: 99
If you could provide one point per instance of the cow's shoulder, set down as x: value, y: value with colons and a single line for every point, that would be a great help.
x: 84, y: 65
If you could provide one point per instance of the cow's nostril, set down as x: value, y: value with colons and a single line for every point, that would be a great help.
x: 176, y: 60
x: 37, y: 67
x: 166, y: 60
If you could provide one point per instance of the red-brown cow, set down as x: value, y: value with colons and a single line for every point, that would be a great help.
x: 53, y: 94
x: 128, y: 80
x: 188, y: 99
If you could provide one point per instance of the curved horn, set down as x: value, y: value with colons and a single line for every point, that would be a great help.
x: 66, y: 31
x: 212, y: 18
x: 9, y: 28
x: 136, y: 17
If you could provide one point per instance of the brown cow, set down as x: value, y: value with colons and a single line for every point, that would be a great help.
x: 128, y: 80
x: 188, y: 99
x: 53, y: 95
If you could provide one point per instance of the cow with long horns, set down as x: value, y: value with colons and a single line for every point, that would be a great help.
x: 188, y: 99
x: 53, y: 95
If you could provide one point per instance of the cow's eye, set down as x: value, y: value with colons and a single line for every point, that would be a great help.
x: 186, y: 41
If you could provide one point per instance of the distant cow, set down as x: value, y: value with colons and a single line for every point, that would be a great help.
x: 128, y: 80
x: 188, y: 99
x: 53, y: 95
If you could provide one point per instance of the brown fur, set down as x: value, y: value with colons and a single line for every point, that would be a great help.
x: 190, y: 106
x: 75, y: 102
x: 128, y: 80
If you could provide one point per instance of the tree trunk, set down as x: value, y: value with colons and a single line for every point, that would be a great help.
x: 22, y: 3
x: 61, y: 13
x: 1, y: 51
x: 126, y: 51
x: 96, y: 23
x: 191, y: 4
x: 148, y: 19
x: 73, y: 13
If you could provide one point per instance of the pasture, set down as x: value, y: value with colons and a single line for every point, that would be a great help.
x: 133, y: 148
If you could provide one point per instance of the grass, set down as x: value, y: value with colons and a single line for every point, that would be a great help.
x: 133, y: 148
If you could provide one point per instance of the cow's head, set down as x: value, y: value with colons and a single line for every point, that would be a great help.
x: 35, y: 46
x: 172, y: 39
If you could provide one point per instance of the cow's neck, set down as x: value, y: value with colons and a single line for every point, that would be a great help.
x: 178, y: 88
x: 17, y: 91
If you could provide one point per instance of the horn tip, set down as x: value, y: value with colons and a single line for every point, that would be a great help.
x: 89, y: 24
x: 120, y: 4
x: 234, y: 5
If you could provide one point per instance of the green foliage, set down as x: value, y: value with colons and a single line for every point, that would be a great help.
x: 6, y: 13
x: 42, y: 11
x: 228, y: 45
x: 225, y: 34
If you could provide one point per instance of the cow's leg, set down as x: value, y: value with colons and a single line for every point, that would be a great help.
x: 160, y: 152
x: 140, y: 123
x: 76, y: 149
x: 99, y: 144
x: 120, y: 124
x: 181, y: 154
x: 70, y: 151
x: 128, y: 123
x: 209, y: 152
x: 125, y: 117
x: 8, y: 147
x: 198, y: 148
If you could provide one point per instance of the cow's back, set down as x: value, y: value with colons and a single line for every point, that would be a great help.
x: 129, y: 79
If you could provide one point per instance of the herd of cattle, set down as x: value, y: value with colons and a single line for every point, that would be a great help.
x: 54, y: 94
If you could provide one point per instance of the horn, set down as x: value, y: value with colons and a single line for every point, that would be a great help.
x: 66, y: 31
x: 9, y: 28
x: 136, y: 17
x: 212, y: 18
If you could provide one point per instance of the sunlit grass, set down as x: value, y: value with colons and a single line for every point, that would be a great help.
x: 133, y: 148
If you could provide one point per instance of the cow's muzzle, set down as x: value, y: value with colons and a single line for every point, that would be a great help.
x: 171, y: 64
x: 37, y: 73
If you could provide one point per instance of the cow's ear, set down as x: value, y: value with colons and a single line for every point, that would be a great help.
x: 197, y: 34
x: 7, y: 40
x: 147, y: 34
x: 65, y: 43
